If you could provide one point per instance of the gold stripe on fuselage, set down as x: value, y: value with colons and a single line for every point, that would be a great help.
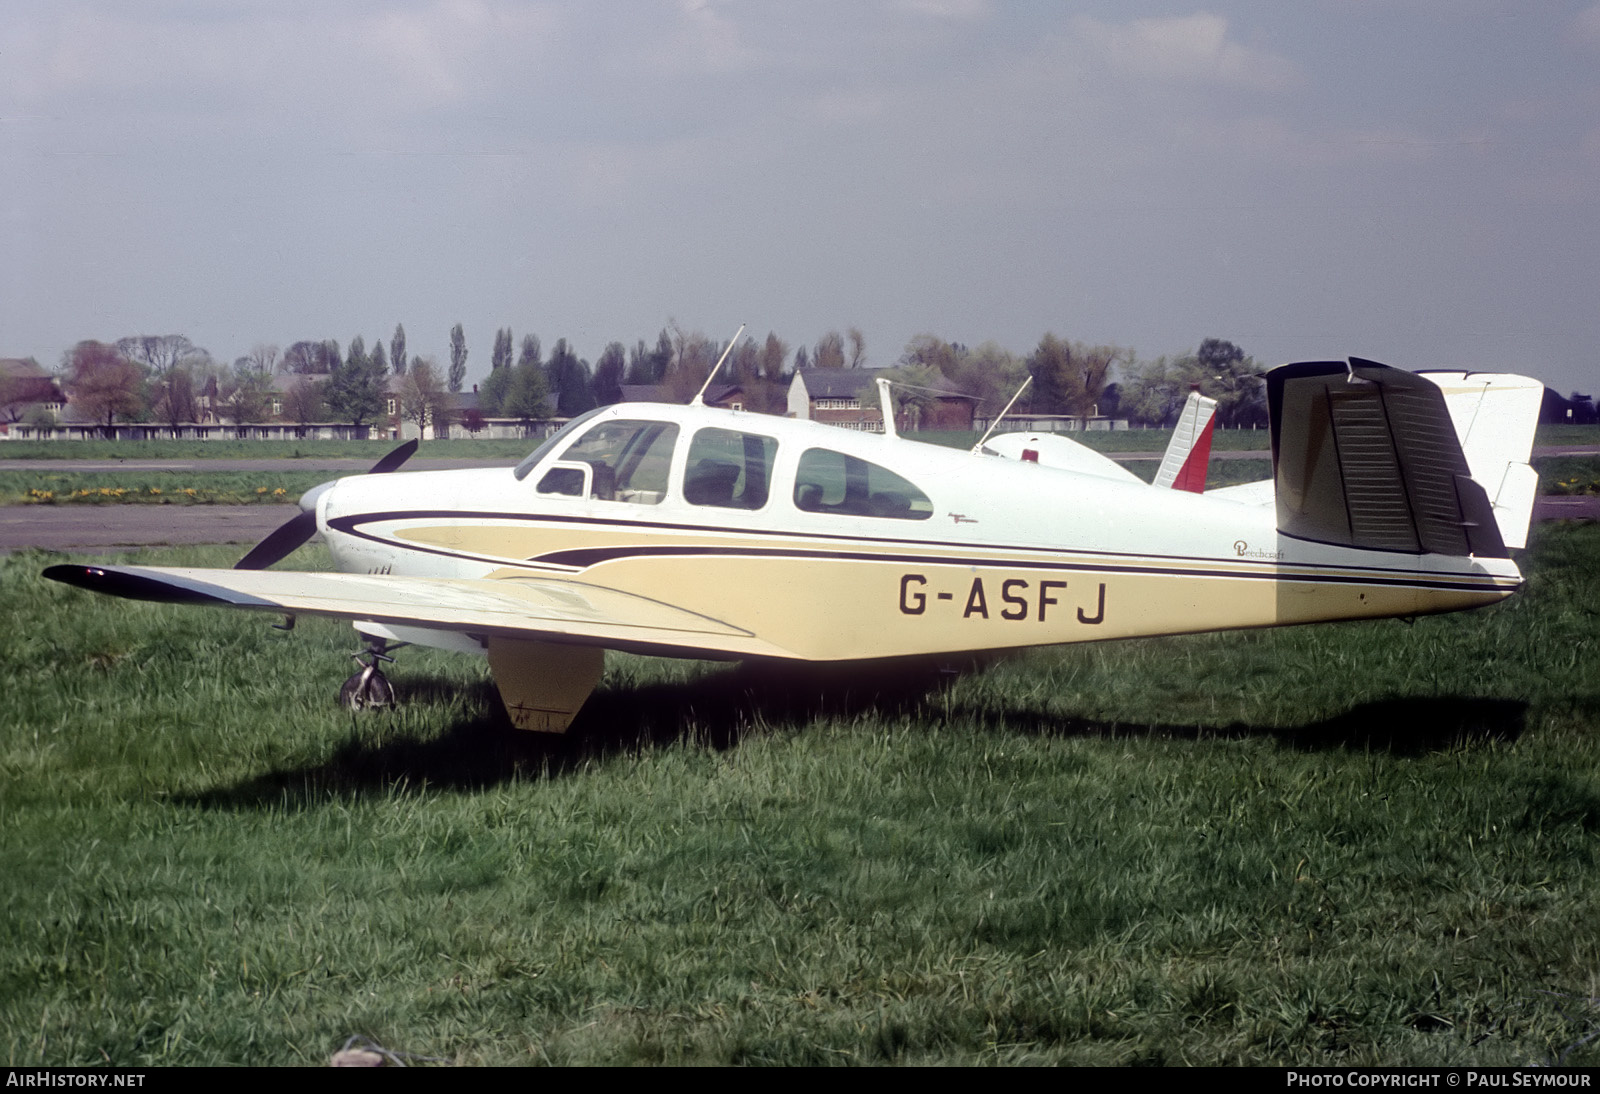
x: 842, y: 598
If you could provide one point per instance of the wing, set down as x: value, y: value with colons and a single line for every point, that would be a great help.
x: 538, y: 608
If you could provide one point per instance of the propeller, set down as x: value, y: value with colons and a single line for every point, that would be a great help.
x: 288, y: 536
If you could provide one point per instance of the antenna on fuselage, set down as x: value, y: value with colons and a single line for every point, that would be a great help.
x: 996, y: 423
x: 698, y: 400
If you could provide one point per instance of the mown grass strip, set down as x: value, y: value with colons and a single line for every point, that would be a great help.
x: 270, y: 487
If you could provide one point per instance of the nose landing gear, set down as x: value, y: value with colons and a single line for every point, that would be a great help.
x: 369, y: 689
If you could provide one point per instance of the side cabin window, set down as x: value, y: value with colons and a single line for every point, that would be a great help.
x: 831, y: 482
x: 729, y: 469
x: 616, y: 461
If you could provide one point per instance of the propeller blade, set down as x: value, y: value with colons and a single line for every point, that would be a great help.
x: 280, y: 542
x: 394, y: 459
x: 288, y: 536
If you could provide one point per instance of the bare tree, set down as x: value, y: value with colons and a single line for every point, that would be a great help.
x: 829, y: 352
x: 302, y: 403
x: 170, y: 361
x: 773, y: 355
x: 103, y: 383
x: 422, y: 395
x: 246, y: 394
x: 858, y: 347
x: 263, y: 357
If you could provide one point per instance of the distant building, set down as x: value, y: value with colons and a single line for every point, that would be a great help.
x: 848, y: 398
x: 26, y: 389
x: 727, y: 396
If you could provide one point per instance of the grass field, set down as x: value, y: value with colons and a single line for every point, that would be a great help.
x: 255, y: 450
x: 1133, y: 440
x: 1345, y: 844
x: 284, y: 485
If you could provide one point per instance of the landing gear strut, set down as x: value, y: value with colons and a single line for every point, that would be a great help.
x: 369, y: 689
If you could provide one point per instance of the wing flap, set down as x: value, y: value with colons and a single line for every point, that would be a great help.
x: 521, y: 607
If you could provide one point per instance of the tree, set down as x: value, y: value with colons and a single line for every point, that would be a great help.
x: 355, y: 393
x: 858, y: 347
x: 1155, y: 390
x: 308, y: 358
x: 569, y: 376
x: 829, y: 352
x: 173, y: 398
x: 1234, y: 380
x: 608, y: 374
x: 773, y: 354
x: 693, y: 356
x: 527, y: 395
x: 531, y: 350
x: 422, y: 395
x: 912, y: 391
x: 991, y: 373
x: 158, y: 353
x: 264, y: 356
x: 376, y: 360
x: 649, y: 366
x: 503, y: 349
x: 104, y: 384
x: 302, y: 403
x: 397, y: 350
x: 170, y: 362
x: 1069, y: 376
x: 246, y: 394
x: 458, y: 358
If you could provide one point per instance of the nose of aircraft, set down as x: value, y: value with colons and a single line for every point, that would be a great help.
x: 303, y: 525
x: 308, y: 500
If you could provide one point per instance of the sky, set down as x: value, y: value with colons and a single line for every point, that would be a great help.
x: 1412, y: 181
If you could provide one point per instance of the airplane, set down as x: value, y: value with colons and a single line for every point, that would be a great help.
x: 700, y: 532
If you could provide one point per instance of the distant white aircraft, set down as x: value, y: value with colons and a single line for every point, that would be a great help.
x: 690, y: 531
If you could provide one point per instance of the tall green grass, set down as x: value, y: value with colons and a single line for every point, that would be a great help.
x: 1344, y: 844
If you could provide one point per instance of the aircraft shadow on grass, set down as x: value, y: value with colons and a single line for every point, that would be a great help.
x: 718, y: 710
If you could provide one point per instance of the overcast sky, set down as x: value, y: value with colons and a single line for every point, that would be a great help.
x: 1416, y: 181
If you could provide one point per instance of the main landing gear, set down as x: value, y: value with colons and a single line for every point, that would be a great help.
x: 370, y: 689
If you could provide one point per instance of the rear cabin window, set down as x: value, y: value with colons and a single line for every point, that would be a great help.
x: 729, y: 469
x: 831, y: 482
x: 628, y: 461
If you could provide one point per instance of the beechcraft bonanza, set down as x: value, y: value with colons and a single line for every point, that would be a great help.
x: 691, y: 531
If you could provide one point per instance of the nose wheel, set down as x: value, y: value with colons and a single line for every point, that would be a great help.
x: 369, y: 689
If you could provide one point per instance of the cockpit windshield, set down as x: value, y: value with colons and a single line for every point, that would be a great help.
x: 554, y: 441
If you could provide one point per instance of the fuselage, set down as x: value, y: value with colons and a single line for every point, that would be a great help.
x: 837, y: 545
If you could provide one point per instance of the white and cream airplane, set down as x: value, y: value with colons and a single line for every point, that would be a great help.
x: 698, y: 532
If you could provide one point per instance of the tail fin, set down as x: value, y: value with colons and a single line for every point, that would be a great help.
x: 1365, y: 455
x: 1183, y: 467
x: 1495, y: 415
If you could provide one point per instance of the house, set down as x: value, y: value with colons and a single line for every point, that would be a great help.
x: 27, y: 392
x: 727, y: 396
x: 848, y: 398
